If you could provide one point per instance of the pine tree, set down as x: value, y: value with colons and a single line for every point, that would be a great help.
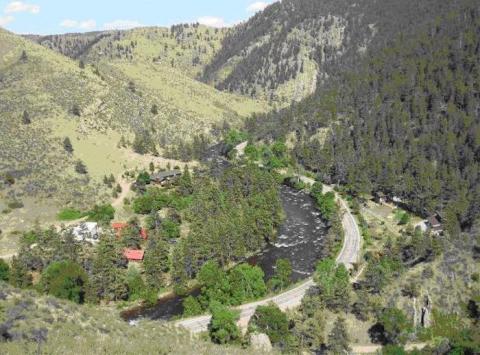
x: 108, y: 278
x: 338, y: 339
x: 67, y: 145
x: 131, y: 86
x: 310, y: 330
x: 19, y: 274
x: 81, y: 168
x: 24, y: 56
x: 156, y: 262
x: 185, y: 183
x: 131, y: 237
x: 26, y: 118
x: 76, y: 110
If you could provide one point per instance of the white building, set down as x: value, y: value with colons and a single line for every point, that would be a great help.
x: 87, y: 232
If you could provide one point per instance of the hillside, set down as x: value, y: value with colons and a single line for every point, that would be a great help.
x: 293, y: 46
x: 187, y: 47
x: 161, y: 63
x: 405, y: 122
x: 47, y: 97
x: 34, y: 324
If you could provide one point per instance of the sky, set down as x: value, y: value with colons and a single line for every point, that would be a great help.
x: 61, y: 16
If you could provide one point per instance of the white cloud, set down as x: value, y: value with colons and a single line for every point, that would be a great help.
x: 257, y: 6
x: 19, y: 6
x: 6, y: 20
x: 87, y: 25
x: 212, y: 21
x: 69, y: 23
x: 121, y: 25
x: 81, y: 25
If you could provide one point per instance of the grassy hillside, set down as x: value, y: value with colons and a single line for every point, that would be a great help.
x: 187, y: 47
x: 158, y: 64
x: 31, y: 324
x: 47, y: 97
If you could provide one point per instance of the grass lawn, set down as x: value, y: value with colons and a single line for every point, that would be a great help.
x: 70, y: 214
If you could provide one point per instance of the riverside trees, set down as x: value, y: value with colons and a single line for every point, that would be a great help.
x: 229, y: 219
x: 241, y: 284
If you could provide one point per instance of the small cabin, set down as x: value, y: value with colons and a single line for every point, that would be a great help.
x: 435, y: 225
x: 133, y: 255
x: 380, y: 197
x: 163, y: 177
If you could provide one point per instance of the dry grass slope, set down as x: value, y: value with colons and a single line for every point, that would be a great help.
x: 45, y: 325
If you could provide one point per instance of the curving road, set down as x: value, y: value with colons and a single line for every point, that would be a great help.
x: 350, y: 253
x: 291, y: 299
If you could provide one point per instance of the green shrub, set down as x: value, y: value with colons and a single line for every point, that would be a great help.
x: 246, y: 283
x: 223, y: 327
x: 271, y: 321
x: 70, y: 214
x: 396, y: 325
x: 16, y: 204
x: 283, y: 275
x: 143, y: 178
x: 136, y: 285
x: 170, y: 229
x: 65, y: 279
x: 191, y: 307
x: 153, y: 200
x: 4, y: 270
x: 102, y: 214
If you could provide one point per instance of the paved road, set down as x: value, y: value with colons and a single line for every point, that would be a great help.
x: 292, y: 298
x: 350, y: 252
x: 287, y: 300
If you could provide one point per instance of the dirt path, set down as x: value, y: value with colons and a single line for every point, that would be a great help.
x: 7, y: 256
x: 126, y: 186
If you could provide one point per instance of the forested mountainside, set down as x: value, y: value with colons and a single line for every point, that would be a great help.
x: 291, y: 47
x: 72, y: 45
x: 407, y: 122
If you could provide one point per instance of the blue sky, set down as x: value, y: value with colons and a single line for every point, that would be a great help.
x: 60, y: 16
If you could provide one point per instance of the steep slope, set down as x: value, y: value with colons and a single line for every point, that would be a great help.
x: 291, y: 47
x: 30, y: 324
x: 406, y: 122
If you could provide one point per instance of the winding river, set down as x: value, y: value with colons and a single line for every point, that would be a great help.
x: 300, y: 239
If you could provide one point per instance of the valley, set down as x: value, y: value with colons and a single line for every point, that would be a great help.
x: 305, y: 180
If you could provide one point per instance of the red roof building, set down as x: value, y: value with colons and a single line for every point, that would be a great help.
x: 118, y: 227
x: 133, y: 255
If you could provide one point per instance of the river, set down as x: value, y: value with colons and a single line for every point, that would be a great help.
x: 300, y: 239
